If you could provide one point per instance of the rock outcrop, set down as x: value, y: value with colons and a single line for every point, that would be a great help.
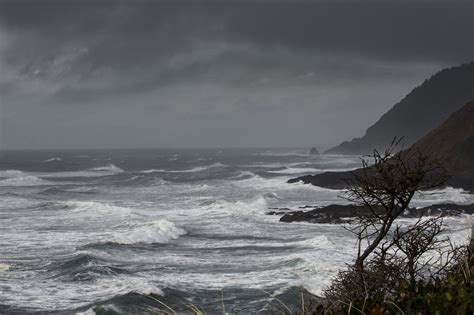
x: 314, y: 151
x: 338, y: 214
x: 451, y: 143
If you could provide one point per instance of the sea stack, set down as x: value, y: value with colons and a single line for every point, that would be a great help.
x: 313, y: 151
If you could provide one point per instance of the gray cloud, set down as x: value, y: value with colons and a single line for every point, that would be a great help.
x: 281, y: 70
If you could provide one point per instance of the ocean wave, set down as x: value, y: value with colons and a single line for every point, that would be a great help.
x: 158, y: 231
x: 243, y: 175
x: 153, y: 170
x: 55, y: 191
x: 192, y: 170
x: 107, y: 308
x: 85, y: 266
x: 98, y: 208
x: 141, y: 286
x: 19, y: 202
x: 297, y: 170
x: 444, y: 195
x: 135, y: 232
x: 54, y: 159
x: 25, y: 180
x: 107, y: 170
x: 319, y: 241
x: 255, y: 206
x: 4, y: 267
x: 12, y: 173
x: 279, y: 183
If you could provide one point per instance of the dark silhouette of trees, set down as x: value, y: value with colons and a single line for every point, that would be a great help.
x: 396, y: 263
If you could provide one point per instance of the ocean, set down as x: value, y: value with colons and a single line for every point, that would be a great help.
x: 81, y: 229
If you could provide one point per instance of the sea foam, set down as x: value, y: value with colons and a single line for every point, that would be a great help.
x: 192, y: 170
x: 54, y: 159
x: 109, y: 168
x: 19, y: 178
x: 158, y: 231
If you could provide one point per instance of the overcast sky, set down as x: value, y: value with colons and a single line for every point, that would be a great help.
x: 119, y: 74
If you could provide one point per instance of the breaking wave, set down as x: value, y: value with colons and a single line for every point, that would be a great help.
x: 256, y: 206
x: 106, y: 170
x: 243, y: 175
x: 97, y: 208
x: 158, y: 231
x: 19, y: 178
x: 192, y: 170
x: 11, y: 173
x: 109, y: 168
x: 296, y: 170
x: 57, y: 159
x: 444, y: 195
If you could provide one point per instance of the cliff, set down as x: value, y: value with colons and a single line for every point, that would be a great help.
x: 424, y: 108
x: 451, y: 143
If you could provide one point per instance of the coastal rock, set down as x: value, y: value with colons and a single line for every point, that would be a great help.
x: 330, y: 214
x: 313, y: 151
x: 338, y: 214
x: 331, y: 180
x: 452, y: 143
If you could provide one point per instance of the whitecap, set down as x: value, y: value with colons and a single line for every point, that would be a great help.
x: 106, y: 170
x: 256, y: 206
x: 158, y: 231
x: 192, y: 170
x: 98, y: 208
x: 153, y: 170
x: 27, y: 180
x: 4, y: 267
x: 244, y: 175
x: 110, y: 168
x: 141, y: 286
x: 296, y: 170
x: 11, y: 173
x: 107, y: 308
x: 444, y: 195
x: 54, y: 159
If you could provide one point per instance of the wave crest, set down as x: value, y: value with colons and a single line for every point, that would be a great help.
x: 158, y: 231
x: 19, y: 178
x: 110, y: 168
x: 191, y: 170
x: 106, y: 170
x: 97, y: 208
x: 54, y: 159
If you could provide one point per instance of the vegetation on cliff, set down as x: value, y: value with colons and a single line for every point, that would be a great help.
x: 451, y: 143
x: 424, y: 108
x: 399, y: 268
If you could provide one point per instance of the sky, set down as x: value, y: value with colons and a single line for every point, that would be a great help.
x: 177, y: 74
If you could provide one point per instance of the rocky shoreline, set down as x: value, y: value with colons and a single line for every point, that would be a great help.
x: 341, y: 180
x: 451, y: 143
x: 338, y: 214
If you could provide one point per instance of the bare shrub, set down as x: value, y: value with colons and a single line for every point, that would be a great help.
x: 391, y: 255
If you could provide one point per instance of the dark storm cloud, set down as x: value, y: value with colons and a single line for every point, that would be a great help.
x: 422, y: 29
x: 217, y: 59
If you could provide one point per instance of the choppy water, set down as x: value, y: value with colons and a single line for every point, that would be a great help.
x: 85, y: 228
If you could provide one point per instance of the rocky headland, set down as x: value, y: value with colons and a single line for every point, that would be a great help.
x: 424, y: 108
x: 451, y: 143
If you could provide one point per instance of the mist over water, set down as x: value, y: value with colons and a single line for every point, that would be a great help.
x: 85, y: 228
